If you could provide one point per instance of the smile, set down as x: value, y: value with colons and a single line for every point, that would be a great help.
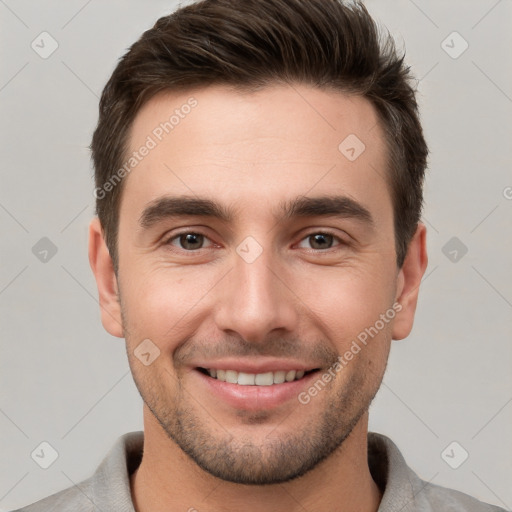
x: 255, y: 379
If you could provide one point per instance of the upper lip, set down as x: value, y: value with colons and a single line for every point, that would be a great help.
x: 256, y: 365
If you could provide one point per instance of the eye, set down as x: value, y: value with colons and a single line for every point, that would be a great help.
x: 319, y: 241
x: 189, y: 241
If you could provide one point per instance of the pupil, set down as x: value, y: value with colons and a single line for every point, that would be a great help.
x: 191, y: 240
x: 321, y: 240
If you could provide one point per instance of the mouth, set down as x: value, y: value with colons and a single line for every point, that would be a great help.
x: 253, y: 385
x: 269, y: 378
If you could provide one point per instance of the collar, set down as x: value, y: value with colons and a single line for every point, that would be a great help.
x: 398, y: 483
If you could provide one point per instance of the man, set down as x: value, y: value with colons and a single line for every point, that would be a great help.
x: 259, y: 170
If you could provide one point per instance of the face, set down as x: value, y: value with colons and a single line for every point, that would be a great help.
x: 254, y: 253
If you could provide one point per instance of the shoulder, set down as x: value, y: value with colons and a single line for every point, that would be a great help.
x: 404, y: 490
x: 437, y: 498
x: 108, y: 489
x: 72, y: 498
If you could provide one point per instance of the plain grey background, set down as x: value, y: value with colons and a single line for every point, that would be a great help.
x: 66, y: 382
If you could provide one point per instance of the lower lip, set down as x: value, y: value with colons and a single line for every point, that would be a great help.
x: 255, y: 398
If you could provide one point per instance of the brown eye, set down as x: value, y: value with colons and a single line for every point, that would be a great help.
x: 321, y: 241
x: 188, y: 241
x: 318, y: 241
x: 191, y: 241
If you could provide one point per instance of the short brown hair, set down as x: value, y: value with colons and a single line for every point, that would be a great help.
x: 329, y: 44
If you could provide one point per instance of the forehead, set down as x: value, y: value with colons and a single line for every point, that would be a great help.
x: 281, y: 140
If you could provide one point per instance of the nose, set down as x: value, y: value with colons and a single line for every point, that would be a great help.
x: 256, y: 300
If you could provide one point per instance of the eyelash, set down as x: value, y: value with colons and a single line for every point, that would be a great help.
x: 340, y: 241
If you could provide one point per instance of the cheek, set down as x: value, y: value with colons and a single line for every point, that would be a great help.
x: 349, y: 300
x: 160, y: 303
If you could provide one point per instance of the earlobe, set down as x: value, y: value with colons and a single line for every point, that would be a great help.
x: 408, y: 283
x: 106, y: 280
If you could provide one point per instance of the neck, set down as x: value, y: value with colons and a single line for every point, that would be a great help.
x: 168, y: 480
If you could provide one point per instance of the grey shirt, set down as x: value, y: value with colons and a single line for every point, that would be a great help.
x: 108, y: 489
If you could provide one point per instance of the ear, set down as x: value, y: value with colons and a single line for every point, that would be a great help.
x: 408, y: 283
x: 106, y: 280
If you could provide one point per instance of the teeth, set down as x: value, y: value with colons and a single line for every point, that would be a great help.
x: 231, y: 376
x: 290, y: 375
x: 279, y: 377
x: 258, y: 379
x: 264, y: 379
x: 246, y: 379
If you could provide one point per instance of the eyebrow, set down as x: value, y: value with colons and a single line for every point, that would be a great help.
x: 167, y: 207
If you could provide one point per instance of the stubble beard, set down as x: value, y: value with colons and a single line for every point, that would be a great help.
x: 286, y: 452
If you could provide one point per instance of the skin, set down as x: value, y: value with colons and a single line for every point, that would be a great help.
x: 250, y: 152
